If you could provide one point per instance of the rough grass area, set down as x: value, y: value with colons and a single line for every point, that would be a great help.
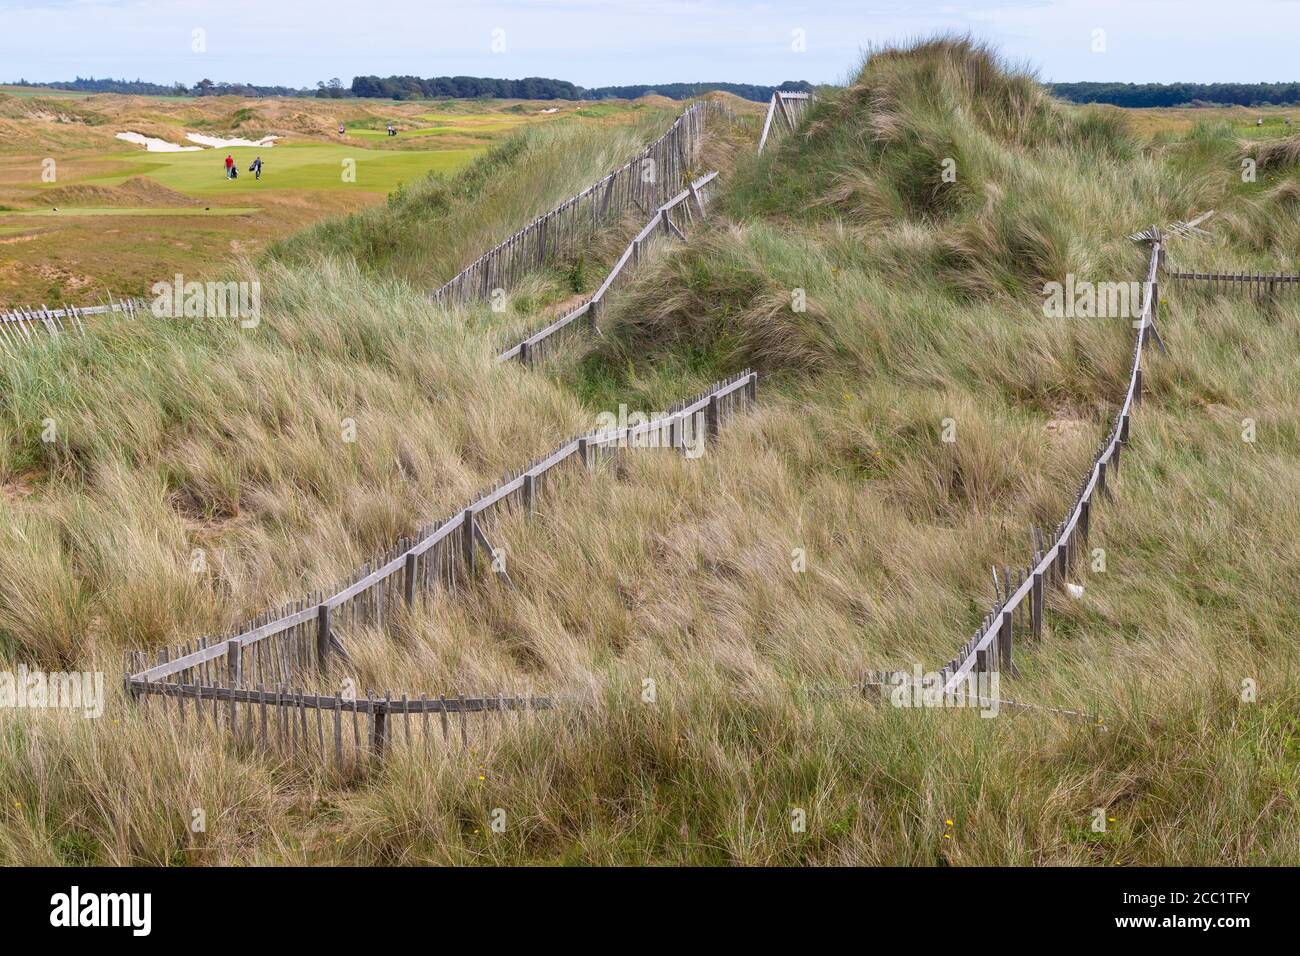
x: 90, y: 256
x: 489, y: 201
x: 829, y: 531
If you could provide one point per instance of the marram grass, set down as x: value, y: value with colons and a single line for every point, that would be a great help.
x: 829, y: 531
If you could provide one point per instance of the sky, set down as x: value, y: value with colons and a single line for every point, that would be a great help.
x: 609, y: 42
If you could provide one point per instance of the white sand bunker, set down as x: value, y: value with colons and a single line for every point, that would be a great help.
x: 154, y: 145
x: 218, y: 143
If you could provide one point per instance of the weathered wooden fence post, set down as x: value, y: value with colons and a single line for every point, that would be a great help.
x: 467, y: 539
x: 1005, y: 642
x: 323, y: 635
x: 235, y: 661
x: 408, y: 579
x: 378, y: 726
x: 1037, y: 596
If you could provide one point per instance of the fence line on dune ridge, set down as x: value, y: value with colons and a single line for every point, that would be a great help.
x: 671, y: 219
x: 301, y: 641
x: 20, y: 327
x: 791, y: 107
x: 644, y: 182
x: 1262, y: 286
x: 1020, y: 594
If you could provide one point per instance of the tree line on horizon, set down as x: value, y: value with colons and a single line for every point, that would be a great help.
x: 1138, y: 95
x: 417, y: 88
x: 542, y: 88
x: 205, y: 87
x: 1133, y: 95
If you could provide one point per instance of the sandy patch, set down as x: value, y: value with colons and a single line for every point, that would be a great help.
x: 153, y: 144
x: 69, y: 280
x: 1064, y: 428
x: 19, y: 488
x: 217, y: 143
x: 565, y: 306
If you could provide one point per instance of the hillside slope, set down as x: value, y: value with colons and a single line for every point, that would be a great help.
x: 831, y: 531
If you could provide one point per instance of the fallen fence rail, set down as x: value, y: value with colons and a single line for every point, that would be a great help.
x: 1021, y: 593
x: 1260, y: 285
x: 643, y: 182
x: 791, y: 107
x: 883, y: 684
x: 673, y: 218
x: 20, y: 327
x: 284, y: 645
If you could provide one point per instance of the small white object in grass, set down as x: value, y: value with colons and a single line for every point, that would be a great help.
x: 1075, y: 590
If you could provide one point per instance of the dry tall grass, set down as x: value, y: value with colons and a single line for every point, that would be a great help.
x: 920, y: 308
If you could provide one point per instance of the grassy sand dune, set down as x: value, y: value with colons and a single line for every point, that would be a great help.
x: 831, y: 530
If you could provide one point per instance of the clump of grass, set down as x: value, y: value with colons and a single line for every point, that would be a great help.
x: 1276, y: 154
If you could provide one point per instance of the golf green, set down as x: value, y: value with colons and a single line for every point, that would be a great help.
x: 292, y: 166
x: 133, y: 211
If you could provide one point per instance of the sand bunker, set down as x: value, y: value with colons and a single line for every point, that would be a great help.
x: 155, y: 145
x: 218, y: 143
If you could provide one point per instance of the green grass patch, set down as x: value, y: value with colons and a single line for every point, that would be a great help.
x: 313, y: 166
x: 133, y: 211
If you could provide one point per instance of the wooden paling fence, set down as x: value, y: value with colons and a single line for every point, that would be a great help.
x: 671, y: 219
x: 253, y: 683
x: 1261, y: 286
x: 644, y: 182
x: 1021, y: 593
x: 791, y: 108
x: 20, y: 327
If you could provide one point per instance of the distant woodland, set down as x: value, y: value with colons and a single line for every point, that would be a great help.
x: 542, y: 88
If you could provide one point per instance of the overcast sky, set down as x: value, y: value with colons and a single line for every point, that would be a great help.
x: 603, y: 42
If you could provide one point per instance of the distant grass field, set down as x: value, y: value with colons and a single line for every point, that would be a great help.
x: 316, y: 166
x: 1176, y: 122
x: 42, y: 91
x: 130, y: 211
x: 127, y: 216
